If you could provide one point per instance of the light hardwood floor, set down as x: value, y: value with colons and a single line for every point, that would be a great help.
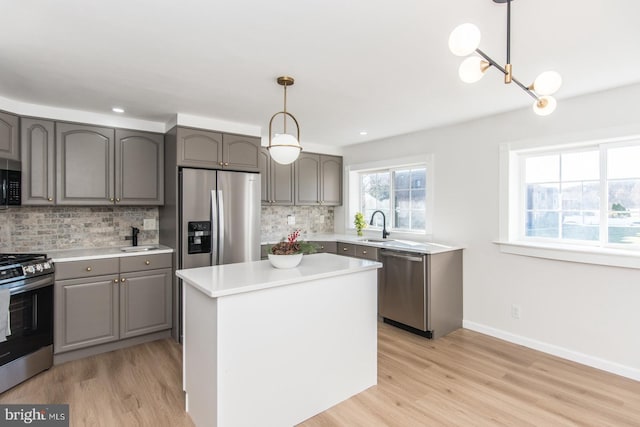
x: 463, y: 379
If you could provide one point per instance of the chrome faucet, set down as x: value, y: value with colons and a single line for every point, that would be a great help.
x: 385, y: 233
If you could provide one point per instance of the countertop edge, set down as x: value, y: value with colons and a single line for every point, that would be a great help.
x: 365, y: 265
x: 67, y: 255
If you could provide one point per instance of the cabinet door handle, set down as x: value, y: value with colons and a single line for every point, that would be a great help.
x: 115, y: 280
x: 123, y: 280
x: 226, y: 163
x: 147, y: 262
x: 111, y: 199
x: 321, y: 247
x: 50, y: 199
x: 364, y: 252
x: 117, y: 200
x: 345, y: 249
x: 88, y: 268
x: 221, y: 163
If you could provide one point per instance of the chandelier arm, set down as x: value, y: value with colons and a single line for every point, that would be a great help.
x: 501, y: 68
x: 508, y: 31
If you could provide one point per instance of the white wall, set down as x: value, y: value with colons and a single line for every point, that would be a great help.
x: 582, y: 312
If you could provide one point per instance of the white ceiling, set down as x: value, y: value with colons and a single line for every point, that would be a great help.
x: 379, y: 66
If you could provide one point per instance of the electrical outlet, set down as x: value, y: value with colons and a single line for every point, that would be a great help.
x: 149, y: 224
x: 516, y: 311
x: 291, y: 220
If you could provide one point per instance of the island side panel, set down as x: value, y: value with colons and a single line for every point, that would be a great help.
x: 290, y: 352
x: 199, y: 356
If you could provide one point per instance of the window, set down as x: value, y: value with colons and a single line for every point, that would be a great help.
x: 589, y: 195
x: 400, y: 193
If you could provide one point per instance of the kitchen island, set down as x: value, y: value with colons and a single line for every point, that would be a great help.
x: 271, y: 347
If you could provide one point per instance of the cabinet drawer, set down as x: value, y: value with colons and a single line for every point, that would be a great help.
x: 88, y: 268
x: 144, y: 262
x: 328, y: 247
x: 346, y: 249
x: 367, y: 252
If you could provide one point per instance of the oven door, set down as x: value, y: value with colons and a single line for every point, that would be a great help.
x: 31, y: 317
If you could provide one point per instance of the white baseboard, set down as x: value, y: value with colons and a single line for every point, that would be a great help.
x: 584, y: 359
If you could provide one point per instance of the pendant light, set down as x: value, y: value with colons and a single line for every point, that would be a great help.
x: 465, y: 39
x: 284, y: 148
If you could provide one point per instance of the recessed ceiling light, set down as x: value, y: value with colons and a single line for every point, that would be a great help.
x: 363, y: 132
x: 117, y: 110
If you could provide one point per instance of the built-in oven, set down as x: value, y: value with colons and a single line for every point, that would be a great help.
x: 28, y: 330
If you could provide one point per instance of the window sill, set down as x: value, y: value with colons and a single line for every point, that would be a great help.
x: 598, y: 256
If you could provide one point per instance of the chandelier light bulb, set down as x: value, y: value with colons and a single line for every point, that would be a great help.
x: 545, y: 105
x: 284, y: 148
x: 472, y: 69
x: 464, y: 39
x: 547, y: 83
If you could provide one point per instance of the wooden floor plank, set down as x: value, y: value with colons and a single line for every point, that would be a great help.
x: 463, y: 379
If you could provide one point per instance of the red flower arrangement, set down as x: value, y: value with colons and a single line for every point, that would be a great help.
x: 291, y: 246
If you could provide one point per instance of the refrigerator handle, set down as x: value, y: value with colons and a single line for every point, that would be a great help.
x: 214, y: 229
x: 220, y: 228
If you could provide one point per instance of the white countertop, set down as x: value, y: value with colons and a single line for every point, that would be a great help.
x: 377, y: 242
x: 229, y: 279
x: 66, y: 255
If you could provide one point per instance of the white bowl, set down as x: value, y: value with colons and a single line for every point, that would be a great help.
x: 285, y: 261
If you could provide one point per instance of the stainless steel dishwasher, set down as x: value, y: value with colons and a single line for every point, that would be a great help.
x: 421, y: 293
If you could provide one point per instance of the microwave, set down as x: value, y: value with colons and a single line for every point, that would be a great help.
x: 10, y: 183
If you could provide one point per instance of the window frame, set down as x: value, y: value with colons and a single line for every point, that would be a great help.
x: 354, y: 173
x: 512, y: 219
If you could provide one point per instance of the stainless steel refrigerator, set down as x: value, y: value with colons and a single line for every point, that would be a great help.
x: 219, y: 219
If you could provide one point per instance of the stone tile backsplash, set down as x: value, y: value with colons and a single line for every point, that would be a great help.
x: 35, y: 228
x: 40, y: 229
x: 309, y: 219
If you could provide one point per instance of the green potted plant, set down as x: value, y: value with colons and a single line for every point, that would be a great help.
x: 359, y: 222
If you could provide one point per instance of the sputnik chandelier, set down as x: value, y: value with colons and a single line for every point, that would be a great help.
x: 464, y: 41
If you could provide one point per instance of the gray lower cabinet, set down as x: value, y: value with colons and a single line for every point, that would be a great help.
x: 215, y: 150
x: 93, y: 308
x: 325, y: 247
x: 277, y: 181
x: 357, y: 251
x: 37, y: 139
x: 318, y: 180
x: 9, y: 141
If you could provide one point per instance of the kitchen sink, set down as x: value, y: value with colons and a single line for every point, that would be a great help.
x: 138, y: 248
x: 376, y: 240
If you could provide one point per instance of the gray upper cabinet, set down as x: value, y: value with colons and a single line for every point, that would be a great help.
x: 240, y: 152
x: 139, y: 168
x: 199, y: 148
x: 214, y: 150
x: 37, y: 139
x: 85, y: 165
x: 318, y: 180
x: 277, y: 181
x: 9, y: 142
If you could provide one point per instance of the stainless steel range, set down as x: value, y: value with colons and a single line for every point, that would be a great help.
x: 27, y: 281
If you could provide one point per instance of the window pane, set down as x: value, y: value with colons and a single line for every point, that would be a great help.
x: 402, y: 219
x: 581, y: 195
x: 418, y: 221
x: 418, y: 199
x: 543, y: 196
x: 581, y: 166
x: 624, y: 211
x: 402, y: 179
x: 418, y: 178
x: 542, y: 169
x: 402, y: 200
x: 623, y: 162
x: 542, y: 224
x: 581, y: 225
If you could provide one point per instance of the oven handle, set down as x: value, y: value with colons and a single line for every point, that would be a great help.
x: 40, y: 283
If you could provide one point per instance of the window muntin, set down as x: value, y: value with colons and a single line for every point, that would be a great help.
x: 401, y: 191
x: 589, y: 195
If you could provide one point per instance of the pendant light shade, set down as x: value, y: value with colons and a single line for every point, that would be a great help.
x: 284, y: 148
x: 465, y: 39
